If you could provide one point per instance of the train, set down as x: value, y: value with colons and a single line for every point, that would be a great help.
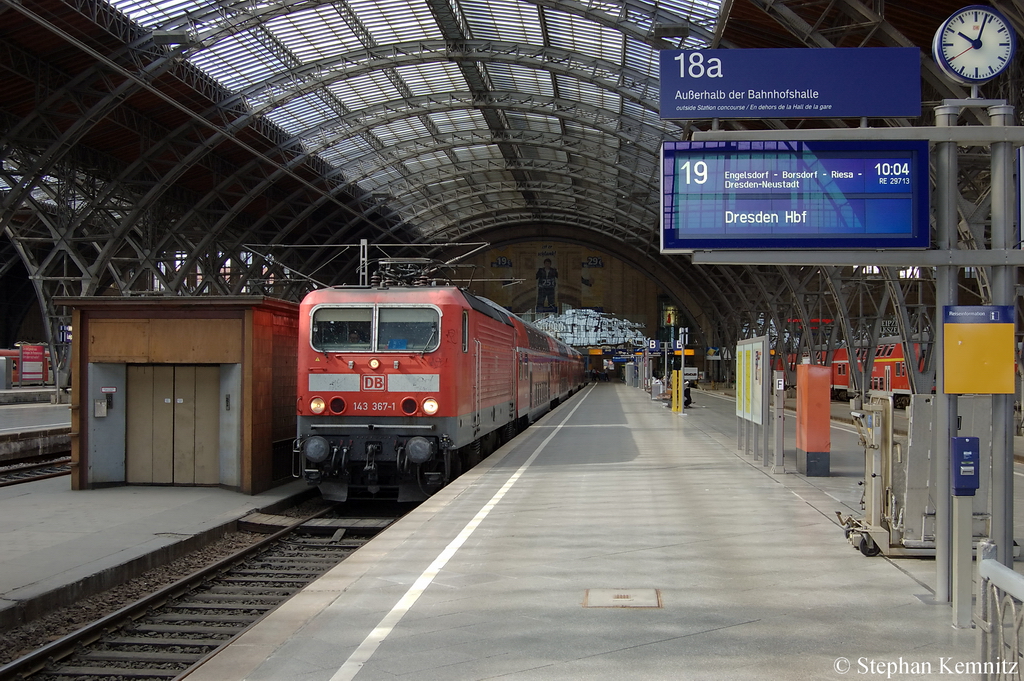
x: 42, y: 373
x: 889, y: 371
x: 405, y: 383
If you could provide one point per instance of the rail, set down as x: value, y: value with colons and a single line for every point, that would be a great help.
x: 53, y: 654
x: 999, y: 617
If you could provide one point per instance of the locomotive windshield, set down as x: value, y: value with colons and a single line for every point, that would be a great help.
x: 408, y: 328
x: 342, y: 328
x: 381, y: 328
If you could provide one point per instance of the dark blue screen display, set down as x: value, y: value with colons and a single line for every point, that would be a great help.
x: 786, y: 195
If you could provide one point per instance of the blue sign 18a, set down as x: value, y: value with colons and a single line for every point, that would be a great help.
x: 791, y: 83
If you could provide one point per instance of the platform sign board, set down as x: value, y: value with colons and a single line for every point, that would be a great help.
x: 751, y: 375
x: 880, y: 82
x: 794, y: 195
x: 978, y: 349
x: 31, y: 360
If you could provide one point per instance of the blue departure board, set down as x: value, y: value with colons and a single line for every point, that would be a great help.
x: 793, y: 195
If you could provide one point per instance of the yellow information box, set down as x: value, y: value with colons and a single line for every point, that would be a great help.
x: 978, y: 354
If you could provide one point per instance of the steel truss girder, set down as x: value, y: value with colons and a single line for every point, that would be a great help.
x: 805, y: 330
x: 634, y: 86
x: 457, y: 204
x: 593, y: 202
x: 471, y: 231
x: 208, y: 254
x: 634, y: 19
x: 146, y: 205
x: 322, y: 79
x: 865, y: 298
x: 452, y: 23
x: 365, y: 167
x: 439, y: 176
x: 859, y: 18
x: 223, y: 129
x: 682, y: 283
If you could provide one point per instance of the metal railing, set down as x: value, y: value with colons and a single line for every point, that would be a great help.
x: 999, y: 616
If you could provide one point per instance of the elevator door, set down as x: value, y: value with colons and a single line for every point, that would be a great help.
x: 173, y: 424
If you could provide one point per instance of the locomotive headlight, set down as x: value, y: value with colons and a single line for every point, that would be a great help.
x: 375, y: 364
x: 317, y: 405
x: 419, y: 449
x: 430, y: 406
x: 316, y: 448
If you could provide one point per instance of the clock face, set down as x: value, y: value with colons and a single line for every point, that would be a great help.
x: 974, y: 45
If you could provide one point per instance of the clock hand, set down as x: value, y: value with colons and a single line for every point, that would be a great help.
x: 962, y: 53
x: 976, y: 44
x: 960, y: 33
x: 980, y: 31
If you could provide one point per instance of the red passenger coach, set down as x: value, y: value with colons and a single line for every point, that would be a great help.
x: 400, y: 388
x: 889, y: 371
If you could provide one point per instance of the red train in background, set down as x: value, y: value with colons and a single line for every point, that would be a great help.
x: 889, y: 371
x: 402, y: 387
x: 42, y: 373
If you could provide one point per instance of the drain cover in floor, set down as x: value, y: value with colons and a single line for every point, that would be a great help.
x: 622, y: 598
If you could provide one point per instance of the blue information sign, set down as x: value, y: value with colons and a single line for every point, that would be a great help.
x: 786, y: 195
x: 977, y: 314
x: 791, y: 83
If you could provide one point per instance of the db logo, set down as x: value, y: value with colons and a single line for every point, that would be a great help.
x: 373, y: 383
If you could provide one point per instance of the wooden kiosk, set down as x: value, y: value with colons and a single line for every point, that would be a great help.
x: 182, y: 391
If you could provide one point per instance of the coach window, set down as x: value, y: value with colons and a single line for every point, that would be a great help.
x: 465, y: 330
x: 337, y: 329
x: 415, y: 329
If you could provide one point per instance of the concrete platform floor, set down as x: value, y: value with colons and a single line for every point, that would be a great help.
x: 60, y: 544
x: 614, y: 496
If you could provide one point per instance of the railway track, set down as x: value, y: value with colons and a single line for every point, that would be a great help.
x: 34, y: 468
x: 163, y: 635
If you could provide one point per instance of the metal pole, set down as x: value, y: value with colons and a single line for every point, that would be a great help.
x: 1003, y: 280
x: 364, y: 262
x: 946, y: 193
x: 749, y: 444
x: 963, y: 522
x: 766, y: 393
x: 780, y: 405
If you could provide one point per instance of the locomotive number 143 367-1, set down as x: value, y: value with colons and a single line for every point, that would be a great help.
x: 373, y: 406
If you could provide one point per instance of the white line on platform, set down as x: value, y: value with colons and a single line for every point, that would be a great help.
x: 587, y: 425
x: 36, y: 426
x: 370, y: 644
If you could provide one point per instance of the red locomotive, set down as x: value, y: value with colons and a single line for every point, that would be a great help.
x: 401, y: 387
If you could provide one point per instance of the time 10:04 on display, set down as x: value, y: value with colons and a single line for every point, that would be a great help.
x: 794, y: 194
x: 890, y: 169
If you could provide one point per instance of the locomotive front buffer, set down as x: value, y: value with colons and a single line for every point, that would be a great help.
x: 373, y: 461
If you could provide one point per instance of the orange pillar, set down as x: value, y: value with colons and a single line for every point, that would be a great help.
x: 813, y: 420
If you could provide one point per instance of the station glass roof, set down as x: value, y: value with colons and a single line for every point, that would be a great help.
x: 459, y: 114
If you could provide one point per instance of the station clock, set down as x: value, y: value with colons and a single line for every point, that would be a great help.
x: 974, y: 45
